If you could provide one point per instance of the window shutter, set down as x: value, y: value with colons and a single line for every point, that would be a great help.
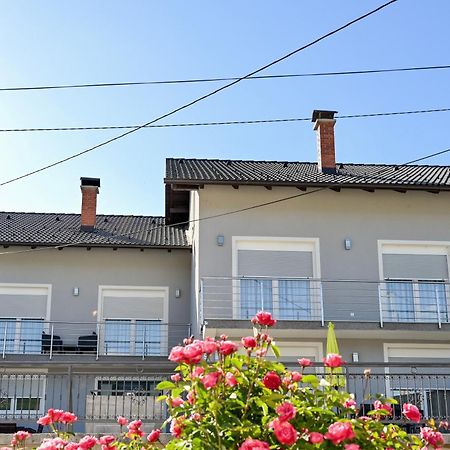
x: 415, y: 266
x: 254, y: 263
x: 133, y: 308
x: 26, y: 306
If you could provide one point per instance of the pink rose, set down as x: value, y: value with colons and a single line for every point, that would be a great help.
x: 431, y: 437
x: 284, y: 432
x: 87, y: 442
x: 198, y: 371
x: 106, y: 440
x: 304, y: 362
x: 175, y: 428
x: 315, y: 437
x: 68, y: 417
x: 254, y: 444
x: 75, y: 446
x: 122, y: 421
x: 352, y: 447
x: 286, y: 411
x: 411, y: 412
x: 210, y: 345
x: 178, y: 401
x: 272, y: 381
x: 191, y: 397
x: 176, y: 377
x: 339, y: 431
x: 134, y: 429
x: 45, y: 420
x: 249, y: 342
x: 154, y: 435
x: 53, y: 444
x: 177, y: 354
x: 210, y: 379
x: 193, y: 353
x: 333, y: 360
x: 55, y: 414
x: 230, y: 379
x: 264, y: 318
x: 377, y: 405
x: 349, y: 403
x: 296, y: 376
x: 227, y: 348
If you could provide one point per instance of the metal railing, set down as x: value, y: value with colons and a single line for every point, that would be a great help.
x: 403, y: 301
x: 141, y: 338
x: 98, y: 399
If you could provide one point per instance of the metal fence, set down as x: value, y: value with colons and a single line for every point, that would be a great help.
x: 109, y: 338
x: 306, y: 299
x: 98, y: 398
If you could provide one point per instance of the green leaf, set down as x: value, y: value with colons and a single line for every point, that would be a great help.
x: 276, y: 350
x: 161, y: 398
x: 311, y: 379
x: 166, y: 384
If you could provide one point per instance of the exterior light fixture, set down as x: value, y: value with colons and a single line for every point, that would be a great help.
x: 220, y: 239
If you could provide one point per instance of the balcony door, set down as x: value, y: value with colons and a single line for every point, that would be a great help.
x: 415, y: 288
x: 276, y: 278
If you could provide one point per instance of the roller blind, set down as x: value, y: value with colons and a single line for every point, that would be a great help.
x: 274, y: 263
x: 26, y: 306
x: 133, y: 308
x: 415, y: 266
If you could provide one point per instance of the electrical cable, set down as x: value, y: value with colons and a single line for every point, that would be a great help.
x: 236, y: 211
x: 229, y: 122
x: 209, y: 80
x: 203, y: 97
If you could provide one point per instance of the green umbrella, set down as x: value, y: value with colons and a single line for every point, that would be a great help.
x: 335, y: 376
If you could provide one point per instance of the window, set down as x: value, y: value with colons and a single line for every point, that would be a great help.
x: 133, y: 337
x: 21, y: 335
x: 277, y: 276
x: 415, y: 287
x: 135, y: 320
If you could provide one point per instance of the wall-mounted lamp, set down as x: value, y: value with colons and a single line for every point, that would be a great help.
x: 220, y: 239
x: 76, y: 291
x: 177, y: 293
x: 355, y: 357
x: 347, y: 244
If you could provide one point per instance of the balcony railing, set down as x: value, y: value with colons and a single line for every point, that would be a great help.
x: 143, y: 338
x: 97, y: 398
x: 406, y: 301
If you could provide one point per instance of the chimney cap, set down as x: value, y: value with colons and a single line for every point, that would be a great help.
x: 322, y: 114
x: 86, y: 181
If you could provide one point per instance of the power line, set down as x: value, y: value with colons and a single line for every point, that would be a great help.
x: 230, y: 122
x: 203, y: 97
x: 236, y: 211
x: 209, y: 80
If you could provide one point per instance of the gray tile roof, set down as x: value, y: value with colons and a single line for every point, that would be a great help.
x: 217, y: 171
x: 51, y: 229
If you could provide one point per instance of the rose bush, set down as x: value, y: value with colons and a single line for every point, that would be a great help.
x: 221, y: 399
x: 245, y: 401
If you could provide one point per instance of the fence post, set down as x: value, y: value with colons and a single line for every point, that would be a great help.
x: 438, y: 307
x: 143, y: 341
x: 69, y: 389
x: 51, y: 343
x: 380, y: 304
x: 4, y: 340
x: 98, y: 341
x: 201, y: 314
x: 262, y: 293
x: 322, y: 314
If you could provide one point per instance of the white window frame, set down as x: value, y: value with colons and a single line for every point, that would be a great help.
x: 409, y: 247
x: 272, y: 243
x: 134, y: 291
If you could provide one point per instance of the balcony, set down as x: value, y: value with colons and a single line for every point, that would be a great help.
x: 305, y: 299
x: 141, y: 338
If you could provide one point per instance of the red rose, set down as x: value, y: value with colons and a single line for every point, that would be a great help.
x: 315, y: 437
x: 339, y: 431
x: 154, y: 435
x: 45, y: 420
x: 286, y: 411
x: 209, y: 345
x: 68, y: 417
x: 177, y: 354
x: 227, y: 348
x: 193, y: 353
x: 264, y: 318
x: 333, y: 360
x: 411, y: 412
x: 352, y: 447
x: 249, y: 342
x: 254, y: 444
x: 284, y: 432
x: 272, y: 381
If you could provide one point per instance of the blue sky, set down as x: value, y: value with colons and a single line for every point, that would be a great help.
x: 54, y: 42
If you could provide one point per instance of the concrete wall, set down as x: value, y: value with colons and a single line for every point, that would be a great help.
x: 87, y: 270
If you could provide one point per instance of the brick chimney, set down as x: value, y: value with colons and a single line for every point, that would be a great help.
x: 324, y: 125
x: 89, y: 190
